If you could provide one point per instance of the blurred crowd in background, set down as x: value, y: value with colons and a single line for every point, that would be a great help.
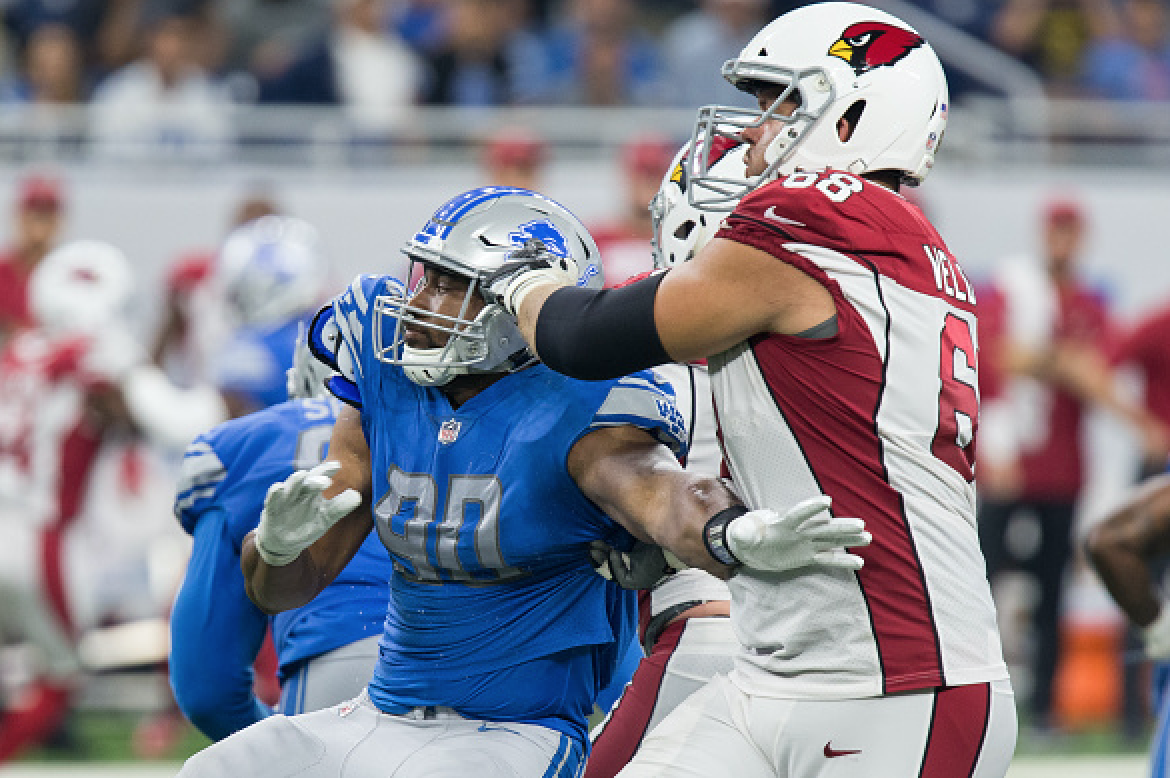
x: 205, y: 54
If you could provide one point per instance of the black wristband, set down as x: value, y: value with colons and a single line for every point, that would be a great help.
x: 715, y: 535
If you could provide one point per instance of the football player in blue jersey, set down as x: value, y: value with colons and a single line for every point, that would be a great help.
x: 271, y: 275
x: 326, y: 649
x: 487, y: 477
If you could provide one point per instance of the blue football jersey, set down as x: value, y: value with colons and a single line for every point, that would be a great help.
x: 496, y: 610
x: 254, y: 361
x: 216, y: 630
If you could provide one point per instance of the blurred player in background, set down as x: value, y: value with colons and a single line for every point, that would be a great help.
x: 39, y: 206
x: 1126, y: 548
x: 487, y: 475
x: 185, y: 338
x: 1146, y: 349
x: 683, y: 615
x: 1044, y: 366
x: 841, y: 337
x: 74, y: 395
x: 270, y: 276
x: 622, y: 241
x: 327, y: 649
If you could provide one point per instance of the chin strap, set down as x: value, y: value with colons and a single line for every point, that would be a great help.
x: 433, y: 371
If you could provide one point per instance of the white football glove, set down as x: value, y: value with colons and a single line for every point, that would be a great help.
x: 806, y: 535
x: 528, y: 268
x: 295, y: 514
x: 1157, y: 636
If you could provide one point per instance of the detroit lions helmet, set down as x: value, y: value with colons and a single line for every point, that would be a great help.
x: 80, y: 287
x: 472, y: 236
x: 681, y: 229
x: 271, y: 269
x: 841, y: 60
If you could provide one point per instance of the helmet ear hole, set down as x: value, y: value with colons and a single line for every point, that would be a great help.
x: 851, y: 117
x: 684, y: 230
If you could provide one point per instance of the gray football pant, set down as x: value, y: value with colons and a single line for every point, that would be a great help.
x: 356, y: 740
x: 330, y: 679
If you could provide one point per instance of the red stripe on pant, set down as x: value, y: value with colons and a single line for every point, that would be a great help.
x: 628, y: 723
x: 958, y: 727
x: 53, y: 574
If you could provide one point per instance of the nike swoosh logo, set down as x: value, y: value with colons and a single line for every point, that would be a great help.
x: 771, y: 214
x: 831, y: 752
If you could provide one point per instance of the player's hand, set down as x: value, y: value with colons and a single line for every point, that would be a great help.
x: 295, y: 514
x: 806, y: 535
x: 529, y: 267
x: 1157, y: 636
x: 642, y: 567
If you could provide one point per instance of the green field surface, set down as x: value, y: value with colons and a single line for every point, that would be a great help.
x: 103, y: 746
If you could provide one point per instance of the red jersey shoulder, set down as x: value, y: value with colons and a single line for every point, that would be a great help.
x: 835, y: 209
x: 856, y: 218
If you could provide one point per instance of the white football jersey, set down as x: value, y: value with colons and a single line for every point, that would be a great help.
x: 881, y: 417
x: 47, y: 441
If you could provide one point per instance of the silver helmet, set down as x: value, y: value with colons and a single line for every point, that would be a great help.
x: 471, y: 236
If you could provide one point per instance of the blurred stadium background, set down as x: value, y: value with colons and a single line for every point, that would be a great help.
x: 151, y: 121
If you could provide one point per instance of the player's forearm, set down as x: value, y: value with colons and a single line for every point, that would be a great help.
x: 529, y: 311
x: 675, y: 518
x: 1125, y: 573
x: 278, y: 588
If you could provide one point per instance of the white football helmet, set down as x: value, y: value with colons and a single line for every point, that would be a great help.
x: 681, y: 229
x: 841, y: 60
x: 473, y: 235
x: 271, y: 269
x: 80, y: 287
x: 306, y: 378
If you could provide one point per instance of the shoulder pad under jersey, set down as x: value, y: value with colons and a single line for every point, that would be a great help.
x: 825, y: 207
x: 351, y: 321
x: 644, y: 399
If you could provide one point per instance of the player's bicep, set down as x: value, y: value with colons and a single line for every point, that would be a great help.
x: 348, y: 446
x: 621, y: 470
x: 728, y: 293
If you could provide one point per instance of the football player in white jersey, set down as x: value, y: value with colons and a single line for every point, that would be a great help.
x: 73, y: 393
x: 683, y: 624
x: 841, y: 338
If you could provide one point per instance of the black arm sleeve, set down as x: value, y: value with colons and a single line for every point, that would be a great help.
x: 596, y: 334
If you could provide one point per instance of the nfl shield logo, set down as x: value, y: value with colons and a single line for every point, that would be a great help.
x: 449, y: 431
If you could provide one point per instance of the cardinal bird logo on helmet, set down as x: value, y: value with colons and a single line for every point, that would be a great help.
x: 869, y: 45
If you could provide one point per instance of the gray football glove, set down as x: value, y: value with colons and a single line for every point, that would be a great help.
x: 527, y: 268
x: 642, y: 567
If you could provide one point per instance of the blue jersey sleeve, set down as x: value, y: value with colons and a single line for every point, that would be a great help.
x: 646, y: 400
x: 347, y: 332
x: 213, y: 687
x: 201, y: 474
x: 254, y: 361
